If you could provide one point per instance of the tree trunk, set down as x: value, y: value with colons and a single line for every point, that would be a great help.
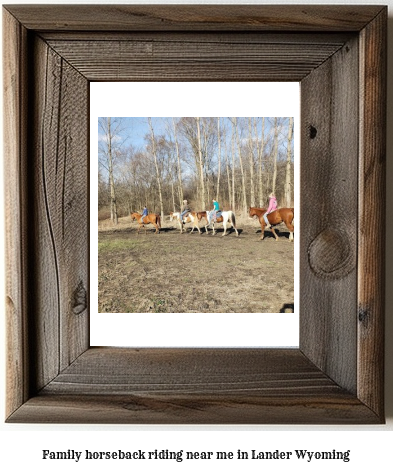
x: 251, y: 158
x: 179, y: 177
x: 173, y: 197
x: 233, y: 168
x: 244, y: 194
x: 201, y: 164
x: 260, y: 160
x: 275, y: 155
x: 114, y: 215
x: 219, y: 159
x: 288, y: 181
x: 153, y: 142
x: 228, y: 174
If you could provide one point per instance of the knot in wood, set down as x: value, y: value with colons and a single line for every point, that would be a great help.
x: 330, y: 254
x: 80, y: 299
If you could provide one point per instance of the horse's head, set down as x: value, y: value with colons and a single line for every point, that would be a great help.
x: 251, y: 212
x: 133, y: 216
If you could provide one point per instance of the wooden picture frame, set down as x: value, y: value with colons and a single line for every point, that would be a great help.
x: 338, y: 54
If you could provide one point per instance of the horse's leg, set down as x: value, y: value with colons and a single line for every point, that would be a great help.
x: 274, y: 232
x: 291, y: 230
x: 262, y: 229
x: 225, y: 228
x: 237, y: 233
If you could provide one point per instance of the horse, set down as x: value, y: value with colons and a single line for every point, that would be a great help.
x: 189, y: 218
x: 154, y: 219
x: 203, y: 215
x: 284, y: 214
x: 225, y: 217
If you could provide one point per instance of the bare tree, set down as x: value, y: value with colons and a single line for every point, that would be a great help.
x: 244, y: 193
x: 201, y: 163
x: 179, y: 176
x: 275, y: 155
x: 110, y: 129
x: 233, y: 167
x: 158, y: 176
x: 288, y: 181
x: 228, y: 173
x: 251, y: 162
x: 260, y: 151
x: 219, y: 159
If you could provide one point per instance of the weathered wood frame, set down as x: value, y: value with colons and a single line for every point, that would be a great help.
x: 338, y: 53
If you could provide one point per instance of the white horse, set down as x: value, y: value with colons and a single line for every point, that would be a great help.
x: 227, y: 217
x: 191, y: 218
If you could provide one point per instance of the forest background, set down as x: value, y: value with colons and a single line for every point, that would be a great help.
x: 159, y: 162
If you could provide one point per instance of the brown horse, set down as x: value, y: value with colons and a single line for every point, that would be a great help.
x: 154, y: 219
x: 284, y: 214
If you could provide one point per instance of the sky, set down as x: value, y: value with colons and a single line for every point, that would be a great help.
x: 134, y: 129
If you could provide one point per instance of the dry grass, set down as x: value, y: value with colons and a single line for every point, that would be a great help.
x: 176, y: 273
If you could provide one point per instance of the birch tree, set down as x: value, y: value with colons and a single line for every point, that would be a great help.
x: 288, y: 180
x: 110, y: 129
x: 244, y: 193
x: 179, y: 175
x: 201, y: 164
x: 219, y: 159
x: 158, y: 176
x: 251, y: 162
x: 275, y: 155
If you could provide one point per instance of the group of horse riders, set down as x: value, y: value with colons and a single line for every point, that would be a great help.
x: 216, y: 212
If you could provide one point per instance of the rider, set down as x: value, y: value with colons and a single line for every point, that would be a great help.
x: 144, y: 213
x: 184, y: 209
x: 214, y: 211
x: 272, y: 207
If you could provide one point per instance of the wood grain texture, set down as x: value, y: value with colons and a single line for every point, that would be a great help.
x: 52, y: 374
x: 372, y: 169
x: 328, y: 249
x: 220, y: 59
x: 197, y: 386
x: 60, y: 195
x: 195, y: 17
x: 14, y: 149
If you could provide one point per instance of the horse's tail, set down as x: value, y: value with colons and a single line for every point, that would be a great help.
x: 233, y: 218
x: 158, y: 220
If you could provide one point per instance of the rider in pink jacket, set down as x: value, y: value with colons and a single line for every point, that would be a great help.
x: 272, y: 207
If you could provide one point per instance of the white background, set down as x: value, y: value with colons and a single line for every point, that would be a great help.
x: 206, y: 100
x: 21, y: 445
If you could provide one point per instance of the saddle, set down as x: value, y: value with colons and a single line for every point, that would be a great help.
x: 185, y: 216
x: 214, y: 215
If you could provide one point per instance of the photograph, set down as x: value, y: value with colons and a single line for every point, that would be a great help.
x: 195, y: 214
